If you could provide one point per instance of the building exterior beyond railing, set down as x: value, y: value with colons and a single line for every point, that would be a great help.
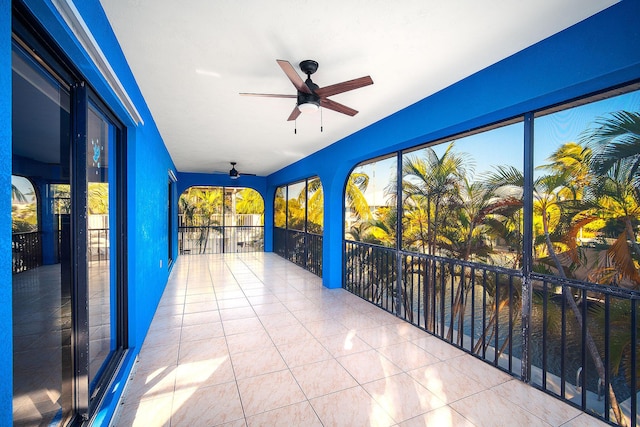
x: 220, y: 239
x: 478, y: 308
x: 299, y: 247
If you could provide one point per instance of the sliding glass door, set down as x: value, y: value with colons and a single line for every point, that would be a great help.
x: 69, y: 238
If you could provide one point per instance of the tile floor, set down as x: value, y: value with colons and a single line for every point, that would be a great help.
x: 253, y: 340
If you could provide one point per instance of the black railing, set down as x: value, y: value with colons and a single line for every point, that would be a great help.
x: 219, y: 239
x: 26, y: 251
x: 478, y: 308
x: 98, y: 245
x: 301, y: 248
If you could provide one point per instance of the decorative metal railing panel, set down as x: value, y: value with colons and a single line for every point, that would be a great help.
x: 26, y: 251
x: 220, y: 239
x: 582, y: 342
x: 301, y: 248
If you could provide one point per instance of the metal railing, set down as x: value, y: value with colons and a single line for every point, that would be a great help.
x: 478, y: 308
x: 301, y: 248
x: 26, y: 251
x: 220, y: 239
x: 98, y: 245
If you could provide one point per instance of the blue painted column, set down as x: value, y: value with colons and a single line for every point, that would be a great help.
x: 332, y: 248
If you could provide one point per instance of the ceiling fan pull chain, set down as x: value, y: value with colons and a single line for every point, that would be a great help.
x: 320, y: 119
x: 295, y: 126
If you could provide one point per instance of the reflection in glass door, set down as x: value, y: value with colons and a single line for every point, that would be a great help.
x: 42, y: 327
x: 101, y: 289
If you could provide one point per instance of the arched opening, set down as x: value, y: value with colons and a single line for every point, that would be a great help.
x: 214, y: 220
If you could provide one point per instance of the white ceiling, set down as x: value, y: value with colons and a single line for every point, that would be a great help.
x: 192, y: 58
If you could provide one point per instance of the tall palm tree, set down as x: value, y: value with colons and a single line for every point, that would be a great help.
x: 435, y: 182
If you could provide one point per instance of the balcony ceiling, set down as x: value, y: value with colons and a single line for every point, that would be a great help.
x: 191, y: 60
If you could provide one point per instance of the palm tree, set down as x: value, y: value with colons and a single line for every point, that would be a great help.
x: 616, y: 138
x: 249, y: 201
x: 434, y: 182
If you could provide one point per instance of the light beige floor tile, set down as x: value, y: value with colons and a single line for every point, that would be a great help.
x: 201, y: 332
x: 195, y: 351
x: 289, y: 334
x: 248, y: 341
x: 167, y: 322
x: 550, y: 409
x: 257, y: 362
x: 207, y: 406
x: 239, y: 326
x: 368, y: 366
x: 361, y: 410
x: 225, y: 304
x: 344, y: 344
x: 324, y: 328
x: 378, y: 337
x: 269, y: 308
x: 262, y: 296
x: 585, y: 420
x: 438, y: 348
x: 198, y: 307
x: 162, y: 337
x: 480, y: 371
x: 324, y: 377
x: 147, y: 385
x: 489, y: 409
x: 204, y: 373
x: 208, y: 297
x: 237, y: 313
x: 408, y: 356
x: 303, y: 353
x: 446, y: 382
x: 296, y: 415
x: 152, y: 358
x: 444, y: 416
x: 146, y: 413
x: 278, y: 320
x: 402, y: 397
x: 203, y: 317
x: 270, y: 391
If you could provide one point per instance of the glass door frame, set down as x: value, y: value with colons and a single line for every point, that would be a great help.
x: 28, y: 33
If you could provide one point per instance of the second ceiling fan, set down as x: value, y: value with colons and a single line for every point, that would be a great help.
x: 310, y: 96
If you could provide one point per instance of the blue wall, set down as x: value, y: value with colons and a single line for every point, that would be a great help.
x: 6, y: 332
x: 598, y: 53
x: 147, y: 168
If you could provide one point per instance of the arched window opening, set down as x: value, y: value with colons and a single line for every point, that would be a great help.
x: 298, y: 223
x: 220, y: 220
x: 26, y: 243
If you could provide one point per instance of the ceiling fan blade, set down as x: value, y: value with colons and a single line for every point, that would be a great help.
x: 294, y: 114
x: 268, y: 95
x: 336, y: 106
x: 293, y: 76
x: 344, y: 86
x: 247, y: 174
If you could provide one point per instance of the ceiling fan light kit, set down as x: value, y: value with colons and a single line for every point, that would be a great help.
x: 310, y: 97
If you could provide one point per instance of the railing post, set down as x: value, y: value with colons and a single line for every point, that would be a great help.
x: 527, y: 249
x: 398, y: 251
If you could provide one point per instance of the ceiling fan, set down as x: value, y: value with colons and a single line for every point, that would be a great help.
x: 234, y: 174
x: 310, y: 96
